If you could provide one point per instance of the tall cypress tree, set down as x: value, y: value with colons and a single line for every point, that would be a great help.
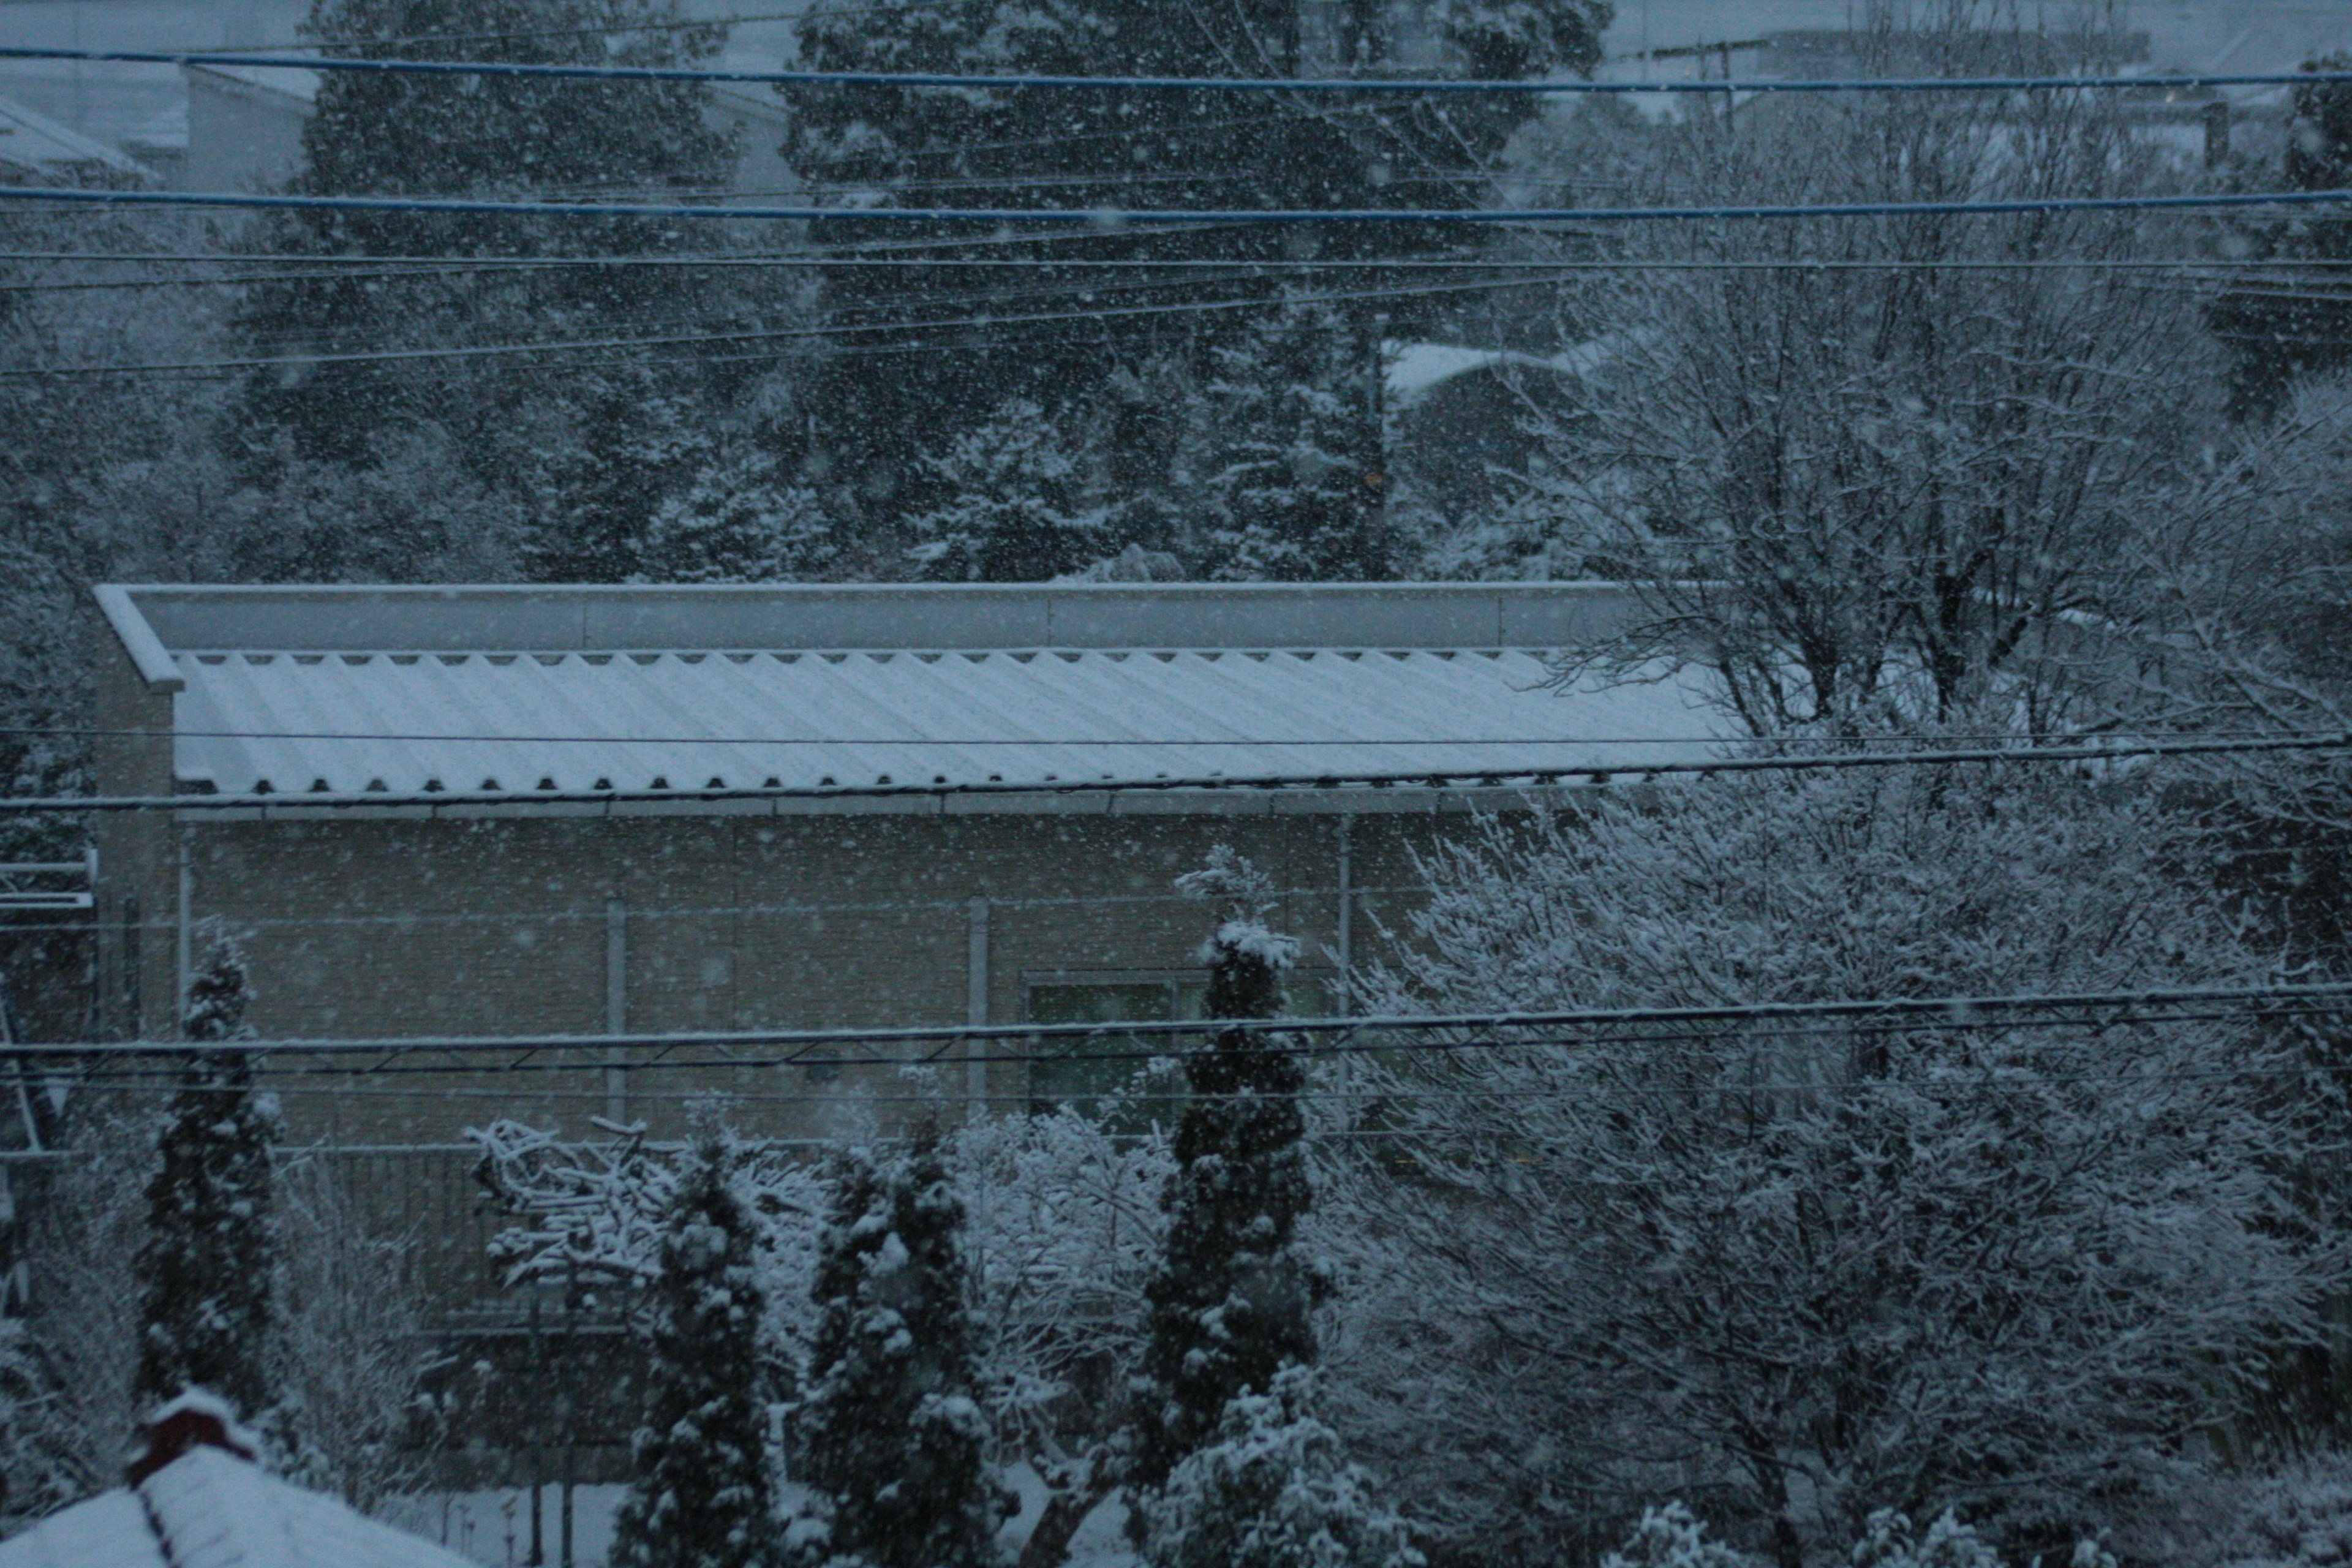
x: 702, y: 1496
x: 206, y: 1309
x: 1231, y: 1305
x: 891, y: 1432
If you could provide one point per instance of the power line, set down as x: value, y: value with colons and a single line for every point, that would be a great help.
x: 1420, y: 778
x: 1961, y: 1013
x: 365, y: 268
x: 2323, y: 738
x: 1317, y: 85
x: 831, y: 329
x: 1112, y: 219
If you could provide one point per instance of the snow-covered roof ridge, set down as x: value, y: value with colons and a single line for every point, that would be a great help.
x: 155, y: 621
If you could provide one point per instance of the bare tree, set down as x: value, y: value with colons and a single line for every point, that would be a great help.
x: 1889, y: 487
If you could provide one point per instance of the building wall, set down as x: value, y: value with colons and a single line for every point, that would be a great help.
x: 711, y: 922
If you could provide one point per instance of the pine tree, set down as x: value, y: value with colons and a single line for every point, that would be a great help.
x: 1012, y: 506
x: 891, y: 1433
x: 702, y: 1495
x: 739, y: 521
x: 1295, y: 474
x: 1274, y: 1491
x: 206, y: 1303
x: 1230, y: 1306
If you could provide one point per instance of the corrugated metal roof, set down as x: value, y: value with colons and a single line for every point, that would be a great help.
x: 517, y: 723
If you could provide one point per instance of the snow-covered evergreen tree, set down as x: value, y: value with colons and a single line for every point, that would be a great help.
x: 1293, y: 465
x: 891, y: 1434
x: 205, y: 1308
x: 738, y: 521
x: 1273, y: 1489
x: 1011, y: 504
x: 703, y: 1494
x: 1230, y: 1305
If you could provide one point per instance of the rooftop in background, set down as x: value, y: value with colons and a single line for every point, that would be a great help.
x: 514, y: 692
x: 35, y: 147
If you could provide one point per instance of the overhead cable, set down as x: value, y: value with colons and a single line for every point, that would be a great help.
x: 1485, y: 1031
x: 1098, y: 220
x: 2175, y: 82
x: 1516, y: 777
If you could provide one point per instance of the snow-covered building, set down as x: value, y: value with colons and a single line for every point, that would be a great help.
x: 196, y: 1500
x: 581, y: 810
x: 36, y: 149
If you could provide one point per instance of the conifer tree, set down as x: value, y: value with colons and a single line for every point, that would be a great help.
x: 702, y: 1495
x: 1295, y: 481
x: 1230, y: 1307
x: 205, y: 1303
x: 891, y: 1433
x: 1011, y: 504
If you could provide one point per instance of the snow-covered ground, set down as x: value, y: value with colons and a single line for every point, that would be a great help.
x: 493, y: 1527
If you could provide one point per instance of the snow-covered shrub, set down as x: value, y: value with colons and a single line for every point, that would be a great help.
x: 1889, y: 1541
x: 1672, y: 1536
x: 1819, y: 1271
x: 1273, y: 1489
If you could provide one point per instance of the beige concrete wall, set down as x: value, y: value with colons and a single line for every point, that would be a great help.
x: 441, y: 927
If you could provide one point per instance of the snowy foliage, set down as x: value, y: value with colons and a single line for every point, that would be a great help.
x: 891, y: 1435
x: 1273, y: 1489
x: 1294, y: 469
x: 1063, y: 1221
x: 1671, y: 1536
x: 1013, y: 505
x: 205, y: 1268
x: 1818, y: 1272
x: 1889, y: 1541
x: 702, y: 1493
x: 737, y: 521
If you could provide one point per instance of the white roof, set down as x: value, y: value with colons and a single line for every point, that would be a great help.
x: 519, y: 692
x: 36, y: 143
x: 345, y: 723
x: 209, y: 1509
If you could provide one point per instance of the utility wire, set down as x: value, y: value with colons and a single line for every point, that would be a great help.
x: 1962, y: 1012
x: 1317, y: 85
x: 1098, y: 221
x: 472, y: 801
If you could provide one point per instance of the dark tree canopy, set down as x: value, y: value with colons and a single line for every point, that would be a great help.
x: 863, y: 146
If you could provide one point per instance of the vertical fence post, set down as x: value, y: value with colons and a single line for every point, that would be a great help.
x: 976, y: 1005
x: 538, y: 1419
x: 616, y: 1007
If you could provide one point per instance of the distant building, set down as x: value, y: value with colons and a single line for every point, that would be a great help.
x: 518, y: 811
x: 244, y: 129
x: 38, y: 151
